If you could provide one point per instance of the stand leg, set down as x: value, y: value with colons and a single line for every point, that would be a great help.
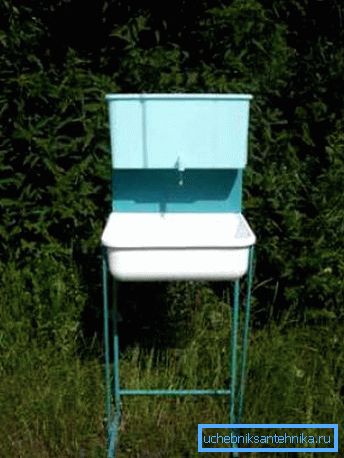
x: 234, y: 356
x: 116, y: 386
x: 112, y: 417
x: 105, y: 285
x: 115, y: 424
x: 234, y: 351
x: 246, y: 333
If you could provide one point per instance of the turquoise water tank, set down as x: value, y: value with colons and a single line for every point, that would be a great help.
x: 178, y: 152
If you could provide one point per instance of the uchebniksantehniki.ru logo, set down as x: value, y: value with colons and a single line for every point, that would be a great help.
x: 266, y: 439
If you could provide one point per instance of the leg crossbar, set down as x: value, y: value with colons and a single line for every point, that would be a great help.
x: 174, y: 392
x: 235, y: 392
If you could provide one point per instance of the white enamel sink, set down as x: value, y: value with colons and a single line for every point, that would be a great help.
x: 177, y: 246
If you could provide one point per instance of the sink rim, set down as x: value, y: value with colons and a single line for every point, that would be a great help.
x: 177, y: 230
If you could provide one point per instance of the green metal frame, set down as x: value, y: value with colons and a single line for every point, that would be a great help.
x: 237, y: 364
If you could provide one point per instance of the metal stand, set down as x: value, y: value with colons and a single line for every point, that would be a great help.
x: 236, y: 391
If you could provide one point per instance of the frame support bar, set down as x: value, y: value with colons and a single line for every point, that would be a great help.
x: 125, y: 392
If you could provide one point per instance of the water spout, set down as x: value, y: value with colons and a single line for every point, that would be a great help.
x: 181, y: 170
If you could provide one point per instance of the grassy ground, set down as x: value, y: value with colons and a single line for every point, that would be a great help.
x: 52, y: 402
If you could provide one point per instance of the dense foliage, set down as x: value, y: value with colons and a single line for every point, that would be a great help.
x: 56, y: 65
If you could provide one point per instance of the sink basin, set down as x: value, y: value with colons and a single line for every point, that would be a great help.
x: 177, y: 246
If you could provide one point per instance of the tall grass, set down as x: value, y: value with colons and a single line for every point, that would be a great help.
x: 52, y: 408
x: 52, y: 401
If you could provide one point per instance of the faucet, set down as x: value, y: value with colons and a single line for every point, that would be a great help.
x: 181, y: 169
